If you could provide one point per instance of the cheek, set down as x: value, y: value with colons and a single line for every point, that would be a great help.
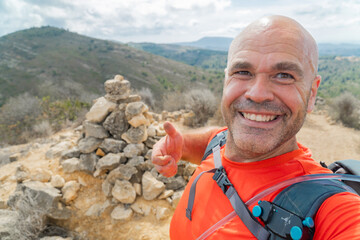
x: 232, y: 91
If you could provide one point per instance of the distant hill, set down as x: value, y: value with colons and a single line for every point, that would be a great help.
x: 211, y: 43
x: 200, y: 57
x: 51, y: 61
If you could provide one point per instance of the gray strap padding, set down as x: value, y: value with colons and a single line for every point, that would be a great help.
x: 246, y: 216
x: 192, y: 193
x: 217, y: 156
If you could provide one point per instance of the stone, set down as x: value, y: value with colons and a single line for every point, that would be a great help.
x: 137, y: 187
x: 14, y: 157
x: 132, y: 98
x: 100, y: 110
x: 189, y: 118
x: 148, y: 154
x: 176, y: 198
x: 173, y: 183
x: 162, y: 213
x: 136, y: 161
x: 87, y: 162
x: 139, y: 120
x: 41, y: 175
x: 55, y: 238
x: 119, y: 77
x: 8, y: 224
x: 56, y: 151
x: 141, y: 208
x: 123, y: 191
x: 166, y: 194
x: 135, y: 135
x: 189, y: 169
x: 57, y: 181
x: 97, y: 209
x: 117, y: 87
x: 3, y: 204
x: 108, y: 162
x: 89, y: 144
x: 21, y: 173
x: 106, y: 187
x: 71, y: 153
x: 123, y: 172
x: 70, y: 165
x: 151, y: 130
x: 151, y: 187
x: 70, y: 190
x: 121, y: 213
x: 150, y: 142
x: 135, y: 108
x: 150, y: 116
x: 39, y: 197
x: 133, y: 150
x: 100, y: 152
x: 110, y: 145
x: 116, y: 123
x: 94, y: 130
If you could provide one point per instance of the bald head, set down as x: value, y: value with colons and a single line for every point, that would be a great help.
x: 283, y: 32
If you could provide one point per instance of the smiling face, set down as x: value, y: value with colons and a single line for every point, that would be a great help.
x: 270, y: 84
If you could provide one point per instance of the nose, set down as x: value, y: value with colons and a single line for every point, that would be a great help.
x: 259, y: 90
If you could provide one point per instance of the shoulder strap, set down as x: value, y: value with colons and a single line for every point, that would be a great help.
x: 219, y: 139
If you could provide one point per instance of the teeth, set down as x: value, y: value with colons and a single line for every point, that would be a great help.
x: 259, y: 117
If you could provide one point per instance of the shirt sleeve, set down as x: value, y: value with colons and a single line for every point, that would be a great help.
x: 338, y: 218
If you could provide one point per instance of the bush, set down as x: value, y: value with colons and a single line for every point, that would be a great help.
x: 203, y: 103
x: 345, y: 109
x: 173, y: 101
x: 147, y: 97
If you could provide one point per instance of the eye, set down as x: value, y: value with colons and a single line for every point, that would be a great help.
x: 284, y: 78
x: 244, y: 73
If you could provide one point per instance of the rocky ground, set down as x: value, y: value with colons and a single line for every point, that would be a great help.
x: 97, y: 182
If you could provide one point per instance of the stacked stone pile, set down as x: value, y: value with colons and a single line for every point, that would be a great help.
x: 118, y: 135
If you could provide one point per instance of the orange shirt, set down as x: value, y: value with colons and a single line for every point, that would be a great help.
x: 337, y: 218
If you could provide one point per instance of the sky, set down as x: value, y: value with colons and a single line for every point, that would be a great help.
x: 169, y: 21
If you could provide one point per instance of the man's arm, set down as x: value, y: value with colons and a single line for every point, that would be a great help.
x: 188, y: 146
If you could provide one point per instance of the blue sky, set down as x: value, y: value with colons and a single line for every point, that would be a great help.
x: 166, y: 21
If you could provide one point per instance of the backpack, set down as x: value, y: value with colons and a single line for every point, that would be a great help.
x: 288, y: 216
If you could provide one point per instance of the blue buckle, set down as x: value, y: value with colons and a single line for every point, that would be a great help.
x: 221, y: 179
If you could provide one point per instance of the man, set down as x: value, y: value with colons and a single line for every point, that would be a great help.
x: 270, y: 84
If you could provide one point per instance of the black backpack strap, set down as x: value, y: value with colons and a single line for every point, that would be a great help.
x: 292, y: 211
x: 219, y: 139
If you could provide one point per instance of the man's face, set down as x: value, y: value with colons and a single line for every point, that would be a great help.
x: 268, y: 89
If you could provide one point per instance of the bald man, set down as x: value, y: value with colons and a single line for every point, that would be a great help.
x: 270, y: 85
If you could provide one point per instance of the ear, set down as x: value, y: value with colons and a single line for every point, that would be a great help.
x: 314, y: 87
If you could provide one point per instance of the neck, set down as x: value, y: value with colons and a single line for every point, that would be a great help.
x: 237, y: 154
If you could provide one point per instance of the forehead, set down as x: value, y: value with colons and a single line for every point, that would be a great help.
x: 289, y: 42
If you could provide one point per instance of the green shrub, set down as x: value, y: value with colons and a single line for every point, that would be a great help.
x: 346, y: 109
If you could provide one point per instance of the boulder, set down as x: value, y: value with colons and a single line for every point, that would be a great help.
x: 166, y: 194
x: 135, y: 135
x: 117, y: 90
x: 57, y: 181
x: 173, y: 183
x: 94, y: 130
x: 70, y: 190
x: 123, y: 172
x: 22, y: 173
x: 139, y: 120
x: 71, y: 153
x: 100, y: 110
x: 87, y: 162
x: 110, y: 145
x: 89, y: 144
x: 133, y: 150
x: 116, y: 123
x: 70, y: 165
x: 176, y: 198
x: 135, y: 108
x: 40, y: 197
x: 141, y: 207
x: 41, y: 175
x: 56, y: 151
x: 151, y: 187
x: 123, y: 191
x: 121, y: 213
x: 8, y: 223
x: 97, y: 209
x: 162, y: 213
x: 108, y: 162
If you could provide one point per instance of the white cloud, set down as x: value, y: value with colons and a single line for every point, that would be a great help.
x: 179, y: 20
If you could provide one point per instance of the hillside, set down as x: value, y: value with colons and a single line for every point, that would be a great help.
x: 339, y: 74
x: 51, y: 61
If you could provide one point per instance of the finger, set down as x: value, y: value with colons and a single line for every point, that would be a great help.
x: 168, y: 170
x: 170, y: 129
x: 161, y: 160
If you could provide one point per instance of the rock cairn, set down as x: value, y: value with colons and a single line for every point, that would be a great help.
x: 118, y: 135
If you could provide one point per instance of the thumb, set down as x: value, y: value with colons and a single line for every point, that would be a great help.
x: 170, y: 129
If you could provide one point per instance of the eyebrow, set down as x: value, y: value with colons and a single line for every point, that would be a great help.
x: 240, y: 65
x: 289, y: 66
